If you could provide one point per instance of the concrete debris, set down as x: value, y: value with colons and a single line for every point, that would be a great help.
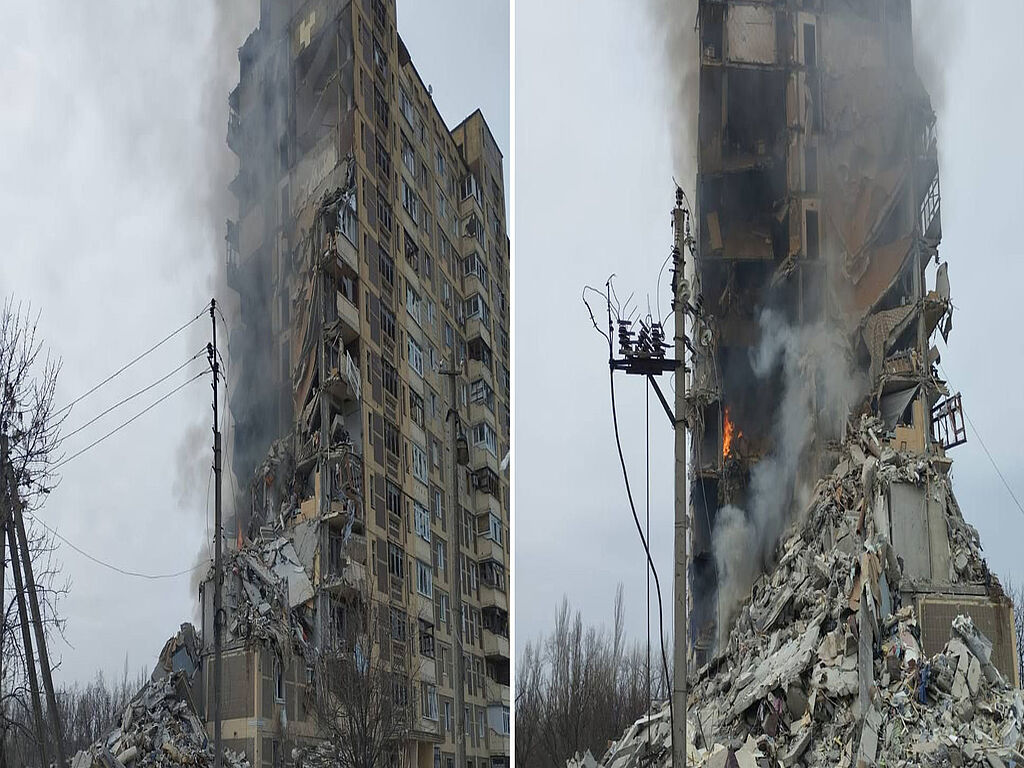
x: 824, y: 665
x: 160, y: 726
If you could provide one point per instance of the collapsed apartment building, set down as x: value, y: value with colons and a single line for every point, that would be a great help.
x: 818, y: 203
x: 839, y: 608
x: 371, y: 391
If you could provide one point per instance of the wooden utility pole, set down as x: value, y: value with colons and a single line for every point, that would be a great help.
x: 452, y: 373
x: 218, y: 566
x: 21, y: 565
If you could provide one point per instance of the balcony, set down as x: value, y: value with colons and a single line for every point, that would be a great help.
x: 476, y: 328
x: 349, y: 316
x: 480, y: 457
x: 495, y: 645
x: 343, y: 377
x: 486, y: 547
x: 492, y: 597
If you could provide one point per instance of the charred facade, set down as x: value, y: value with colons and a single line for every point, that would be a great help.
x: 817, y: 225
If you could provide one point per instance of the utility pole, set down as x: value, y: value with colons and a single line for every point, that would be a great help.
x: 21, y: 564
x: 218, y: 565
x: 456, y: 515
x: 680, y: 298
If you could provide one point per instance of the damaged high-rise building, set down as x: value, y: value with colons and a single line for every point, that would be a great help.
x: 369, y: 373
x: 818, y: 290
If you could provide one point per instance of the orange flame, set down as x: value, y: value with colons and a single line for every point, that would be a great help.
x: 729, y: 433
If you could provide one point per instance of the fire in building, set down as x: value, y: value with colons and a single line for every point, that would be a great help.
x: 370, y: 393
x: 821, y: 296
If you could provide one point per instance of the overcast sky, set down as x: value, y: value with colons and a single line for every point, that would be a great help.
x: 111, y: 201
x: 593, y: 192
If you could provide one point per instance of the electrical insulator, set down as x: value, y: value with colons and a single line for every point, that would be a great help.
x: 625, y: 339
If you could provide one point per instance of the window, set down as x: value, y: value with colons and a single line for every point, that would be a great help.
x: 384, y: 217
x: 448, y: 726
x: 443, y: 609
x: 392, y: 499
x: 348, y: 221
x: 812, y: 245
x: 435, y: 453
x: 440, y: 165
x: 398, y: 631
x: 387, y: 322
x: 391, y: 437
x: 441, y: 547
x: 390, y: 378
x: 435, y: 407
x: 810, y: 54
x: 506, y: 721
x: 415, y: 356
x: 811, y: 169
x: 419, y: 464
x: 424, y: 579
x: 467, y: 531
x: 430, y: 709
x: 483, y: 436
x: 431, y: 313
x: 478, y: 350
x: 381, y: 108
x: 480, y: 723
x: 474, y: 580
x: 413, y: 304
x: 411, y: 202
x: 383, y: 161
x: 438, y: 504
x: 492, y: 575
x: 494, y: 533
x: 481, y: 392
x: 470, y: 188
x: 421, y: 520
x: 486, y: 480
x: 474, y: 265
x: 387, y: 267
x: 416, y: 408
x: 408, y: 156
x: 396, y: 560
x: 449, y: 334
x: 477, y: 307
x: 408, y: 109
x: 278, y: 680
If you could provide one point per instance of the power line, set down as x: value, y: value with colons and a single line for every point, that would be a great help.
x: 122, y: 571
x: 136, y: 394
x: 643, y: 540
x: 128, y: 365
x: 126, y: 423
x: 995, y: 466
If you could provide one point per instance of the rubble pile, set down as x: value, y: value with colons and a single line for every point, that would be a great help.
x: 823, y: 665
x: 160, y: 726
x: 268, y: 586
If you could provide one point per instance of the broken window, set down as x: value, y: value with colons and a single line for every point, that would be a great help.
x: 812, y: 245
x: 810, y: 47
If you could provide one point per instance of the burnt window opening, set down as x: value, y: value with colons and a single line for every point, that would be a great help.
x: 712, y: 25
x: 812, y: 246
x: 811, y: 169
x: 810, y: 47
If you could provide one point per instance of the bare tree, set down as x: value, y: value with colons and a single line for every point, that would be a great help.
x: 29, y: 439
x: 365, y: 702
x: 1015, y: 591
x: 581, y: 686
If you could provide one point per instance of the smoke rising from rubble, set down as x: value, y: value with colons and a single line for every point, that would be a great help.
x: 814, y: 366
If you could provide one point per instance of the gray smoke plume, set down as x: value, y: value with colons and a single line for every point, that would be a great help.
x: 674, y: 24
x: 819, y: 385
x: 937, y: 32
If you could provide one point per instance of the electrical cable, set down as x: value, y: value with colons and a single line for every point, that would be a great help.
x: 128, y: 365
x: 133, y: 396
x: 122, y: 571
x: 643, y: 539
x: 984, y: 447
x: 129, y: 421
